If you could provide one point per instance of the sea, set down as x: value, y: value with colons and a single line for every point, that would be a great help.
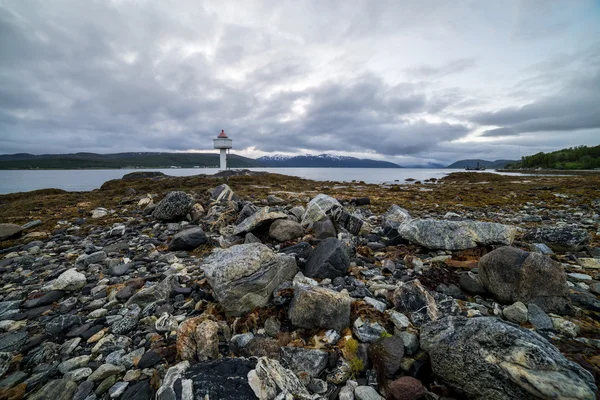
x: 12, y: 181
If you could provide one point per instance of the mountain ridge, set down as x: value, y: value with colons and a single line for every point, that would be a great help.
x: 472, y: 163
x: 322, y: 161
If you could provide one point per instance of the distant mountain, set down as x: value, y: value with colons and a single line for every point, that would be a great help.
x: 120, y: 160
x: 482, y: 163
x: 322, y: 161
x: 428, y: 165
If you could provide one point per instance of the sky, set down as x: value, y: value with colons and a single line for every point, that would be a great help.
x: 409, y: 81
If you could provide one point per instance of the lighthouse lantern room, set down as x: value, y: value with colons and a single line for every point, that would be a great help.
x: 223, y: 143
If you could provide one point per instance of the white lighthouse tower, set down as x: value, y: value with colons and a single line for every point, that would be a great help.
x: 222, y: 142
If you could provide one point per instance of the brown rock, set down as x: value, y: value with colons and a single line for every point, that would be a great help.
x: 198, y: 339
x: 405, y: 388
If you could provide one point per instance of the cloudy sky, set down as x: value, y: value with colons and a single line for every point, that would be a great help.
x: 412, y: 81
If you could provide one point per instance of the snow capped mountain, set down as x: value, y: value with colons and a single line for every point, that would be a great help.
x: 322, y: 161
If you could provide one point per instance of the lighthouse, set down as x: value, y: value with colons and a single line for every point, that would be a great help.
x: 222, y: 142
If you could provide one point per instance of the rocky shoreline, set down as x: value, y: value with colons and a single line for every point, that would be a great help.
x: 264, y: 286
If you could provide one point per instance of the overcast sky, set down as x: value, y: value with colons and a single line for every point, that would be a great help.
x: 412, y: 81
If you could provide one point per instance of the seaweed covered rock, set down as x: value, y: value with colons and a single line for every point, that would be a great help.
x: 512, y: 275
x: 487, y: 358
x: 455, y: 235
x: 244, y: 276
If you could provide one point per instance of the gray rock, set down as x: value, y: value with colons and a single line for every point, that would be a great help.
x: 139, y: 391
x: 44, y: 300
x: 251, y: 238
x: 62, y: 323
x: 284, y: 229
x: 188, y: 239
x: 512, y: 275
x: 470, y: 283
x: 456, y: 235
x: 31, y: 224
x: 59, y: 389
x: 559, y: 238
x: 367, y: 331
x: 412, y: 298
x: 158, y: 292
x: 334, y: 308
x: 324, y: 229
x: 387, y: 352
x: 120, y: 269
x: 131, y: 315
x: 223, y: 193
x: 411, y: 342
x: 174, y: 206
x: 83, y: 390
x: 366, y: 393
x: 262, y: 217
x: 269, y: 379
x: 396, y: 215
x: 306, y: 361
x: 117, y: 389
x: 70, y: 280
x: 501, y: 361
x: 9, y: 231
x: 320, y: 207
x: 328, y: 260
x: 94, y: 258
x: 104, y: 371
x: 244, y: 276
x: 516, y: 313
x: 73, y: 363
x: 538, y: 318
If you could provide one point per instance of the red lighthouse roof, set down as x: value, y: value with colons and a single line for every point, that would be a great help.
x: 222, y: 135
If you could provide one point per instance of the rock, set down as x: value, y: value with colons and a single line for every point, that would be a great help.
x: 324, y: 229
x: 387, y: 353
x: 516, y: 313
x: 149, y: 359
x: 411, y: 342
x: 73, y: 363
x: 558, y: 238
x: 198, y: 339
x: 328, y: 260
x: 104, y: 371
x: 512, y: 275
x: 334, y: 308
x: 152, y: 294
x: 565, y: 327
x: 541, y: 248
x: 470, y: 283
x: 309, y: 362
x: 244, y: 276
x: 94, y: 258
x: 501, y: 361
x: 31, y: 224
x: 9, y: 231
x: 83, y: 390
x: 347, y: 392
x: 262, y: 217
x: 317, y: 386
x: 70, y: 280
x: 412, y: 298
x: 59, y: 389
x: 131, y: 315
x: 284, y: 229
x: 367, y: 331
x: 538, y: 318
x: 44, y: 300
x: 99, y: 212
x: 366, y: 393
x: 119, y: 269
x: 589, y: 263
x: 223, y: 193
x: 396, y: 215
x: 166, y: 323
x: 320, y: 207
x: 301, y: 250
x: 188, y: 239
x: 174, y: 206
x: 405, y: 388
x: 269, y: 379
x: 139, y: 391
x: 456, y: 235
x: 61, y: 324
x: 117, y: 389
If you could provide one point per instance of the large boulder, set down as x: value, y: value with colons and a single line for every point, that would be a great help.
x: 174, y: 206
x: 285, y: 229
x: 188, y: 239
x: 486, y: 358
x: 455, y: 235
x: 559, y: 238
x: 328, y: 260
x: 320, y: 207
x: 9, y: 231
x: 259, y: 218
x: 414, y: 299
x: 512, y: 275
x: 317, y: 307
x: 244, y: 276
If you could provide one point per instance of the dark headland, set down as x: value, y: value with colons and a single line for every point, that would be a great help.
x: 478, y: 286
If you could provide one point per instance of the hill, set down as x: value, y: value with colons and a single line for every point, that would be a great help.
x: 483, y: 163
x: 322, y: 161
x: 580, y: 157
x: 120, y: 160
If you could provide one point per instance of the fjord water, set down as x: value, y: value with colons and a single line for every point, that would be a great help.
x: 12, y: 181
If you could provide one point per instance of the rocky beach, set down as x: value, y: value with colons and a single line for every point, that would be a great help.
x: 246, y: 285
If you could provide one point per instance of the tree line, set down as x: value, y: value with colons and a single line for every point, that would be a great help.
x: 579, y: 157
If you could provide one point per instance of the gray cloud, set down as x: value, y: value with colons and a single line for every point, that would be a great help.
x: 385, y: 79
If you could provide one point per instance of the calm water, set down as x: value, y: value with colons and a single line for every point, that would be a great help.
x: 83, y: 180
